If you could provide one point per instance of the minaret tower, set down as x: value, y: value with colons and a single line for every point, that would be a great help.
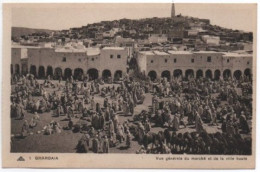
x: 173, y: 11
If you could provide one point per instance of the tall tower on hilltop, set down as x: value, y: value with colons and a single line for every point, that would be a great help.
x: 173, y: 11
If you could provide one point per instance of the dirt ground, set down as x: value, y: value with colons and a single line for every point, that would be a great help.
x: 66, y: 141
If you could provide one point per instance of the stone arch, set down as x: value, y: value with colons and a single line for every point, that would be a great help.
x: 17, y: 69
x: 67, y: 73
x: 118, y: 74
x: 237, y: 74
x: 152, y: 75
x: 41, y: 72
x: 58, y: 73
x: 189, y: 73
x: 248, y: 73
x: 177, y: 73
x: 199, y: 73
x: 208, y: 74
x: 33, y: 70
x: 106, y: 74
x: 49, y: 71
x: 217, y: 74
x: 93, y: 74
x: 78, y: 74
x: 226, y: 74
x: 166, y: 74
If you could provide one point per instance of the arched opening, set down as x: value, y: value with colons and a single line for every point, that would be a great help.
x: 118, y: 74
x: 12, y: 70
x: 237, y: 74
x: 189, y: 73
x: 78, y: 74
x: 199, y: 74
x: 217, y: 74
x: 106, y: 74
x: 24, y: 69
x: 247, y: 73
x: 226, y: 74
x: 152, y: 75
x: 177, y: 73
x: 93, y: 74
x: 67, y: 73
x: 209, y: 74
x: 58, y: 73
x: 166, y: 74
x: 49, y: 71
x: 17, y: 69
x: 41, y: 72
x: 33, y: 70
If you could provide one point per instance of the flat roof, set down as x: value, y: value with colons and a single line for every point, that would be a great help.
x: 179, y: 52
x: 71, y: 50
x: 147, y: 52
x: 237, y: 55
x: 113, y: 48
x: 23, y: 46
x: 207, y: 52
x: 160, y: 53
x: 93, y: 51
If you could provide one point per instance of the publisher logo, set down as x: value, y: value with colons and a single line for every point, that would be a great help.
x: 20, y: 159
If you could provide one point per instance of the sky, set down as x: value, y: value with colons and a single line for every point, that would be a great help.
x: 65, y: 16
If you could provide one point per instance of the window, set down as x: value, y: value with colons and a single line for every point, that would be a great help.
x: 111, y: 56
x: 118, y: 56
x: 174, y: 60
x: 209, y: 59
x: 228, y: 60
x: 64, y: 59
x: 92, y: 59
x: 165, y: 60
x: 151, y: 61
x: 192, y: 60
x: 248, y: 62
x: 79, y: 60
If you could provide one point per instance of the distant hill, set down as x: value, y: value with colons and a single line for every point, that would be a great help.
x: 19, y: 31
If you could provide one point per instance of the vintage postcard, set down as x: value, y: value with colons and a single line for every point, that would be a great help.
x: 109, y: 85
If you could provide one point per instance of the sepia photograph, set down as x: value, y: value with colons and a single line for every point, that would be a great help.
x: 164, y: 79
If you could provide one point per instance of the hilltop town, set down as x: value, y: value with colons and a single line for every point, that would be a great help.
x: 181, y: 32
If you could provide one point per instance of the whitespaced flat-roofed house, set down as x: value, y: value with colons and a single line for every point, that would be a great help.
x: 114, y: 62
x: 211, y: 40
x: 158, y: 38
x: 111, y: 33
x: 210, y: 64
x: 193, y: 32
x: 129, y: 43
x: 57, y: 62
x: 238, y: 63
x: 75, y: 61
x: 108, y: 34
x: 124, y: 42
x: 46, y: 44
x: 19, y: 59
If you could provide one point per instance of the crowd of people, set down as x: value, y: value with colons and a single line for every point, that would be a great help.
x: 179, y: 105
